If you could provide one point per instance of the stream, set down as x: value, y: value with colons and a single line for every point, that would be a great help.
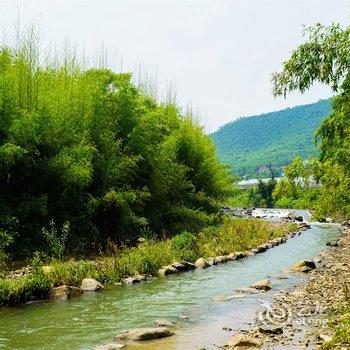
x: 95, y: 318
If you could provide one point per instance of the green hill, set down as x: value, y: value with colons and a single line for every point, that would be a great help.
x: 249, y: 144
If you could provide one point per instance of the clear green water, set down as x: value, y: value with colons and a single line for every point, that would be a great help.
x: 94, y: 319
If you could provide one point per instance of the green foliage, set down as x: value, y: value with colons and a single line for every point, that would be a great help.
x: 261, y: 195
x: 146, y: 258
x: 185, y: 246
x: 324, y: 57
x: 88, y: 147
x: 340, y: 322
x: 31, y: 287
x: 251, y: 144
x: 56, y: 240
x: 298, y: 188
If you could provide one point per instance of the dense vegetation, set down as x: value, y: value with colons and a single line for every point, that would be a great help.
x: 145, y: 258
x: 324, y: 57
x: 86, y: 158
x: 253, y: 143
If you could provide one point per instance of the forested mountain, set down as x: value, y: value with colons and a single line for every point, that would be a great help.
x: 249, y: 144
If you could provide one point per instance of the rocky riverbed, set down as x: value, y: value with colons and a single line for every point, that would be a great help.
x: 298, y: 318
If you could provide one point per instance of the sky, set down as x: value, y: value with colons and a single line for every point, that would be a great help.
x: 218, y: 55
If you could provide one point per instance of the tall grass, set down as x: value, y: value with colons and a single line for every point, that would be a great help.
x: 145, y: 258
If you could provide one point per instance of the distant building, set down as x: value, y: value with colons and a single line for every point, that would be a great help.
x: 245, y: 184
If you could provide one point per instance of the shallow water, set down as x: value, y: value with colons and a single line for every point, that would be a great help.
x: 95, y: 318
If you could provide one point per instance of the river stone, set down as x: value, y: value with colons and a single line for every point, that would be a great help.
x: 139, y: 334
x: 228, y: 297
x: 261, y: 248
x: 91, y: 285
x: 111, y: 346
x: 324, y: 337
x: 201, y: 263
x: 271, y: 330
x: 221, y: 259
x: 241, y: 341
x: 240, y: 255
x: 303, y: 266
x: 164, y: 323
x: 183, y: 317
x: 212, y: 261
x: 304, y: 225
x: 167, y: 270
x: 65, y: 292
x: 179, y: 266
x: 264, y: 284
x: 189, y: 265
x: 334, y: 243
x: 132, y: 280
x: 231, y: 256
x: 247, y: 290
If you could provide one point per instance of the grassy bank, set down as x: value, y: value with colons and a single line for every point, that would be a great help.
x: 340, y: 325
x: 145, y: 258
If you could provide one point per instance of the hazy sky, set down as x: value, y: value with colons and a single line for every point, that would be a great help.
x: 219, y: 54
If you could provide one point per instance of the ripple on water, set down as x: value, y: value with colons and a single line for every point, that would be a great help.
x: 95, y: 318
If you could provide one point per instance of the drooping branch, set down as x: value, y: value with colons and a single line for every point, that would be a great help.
x: 324, y: 58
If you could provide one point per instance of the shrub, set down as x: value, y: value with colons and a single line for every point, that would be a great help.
x: 184, y: 246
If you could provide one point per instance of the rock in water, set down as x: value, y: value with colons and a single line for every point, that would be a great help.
x: 139, y: 334
x: 167, y: 270
x: 333, y: 243
x: 303, y: 266
x: 164, y: 323
x: 201, y: 263
x: 65, y: 292
x: 264, y: 284
x: 228, y: 297
x: 111, y: 346
x: 132, y: 280
x: 241, y: 341
x: 212, y: 261
x: 179, y: 266
x: 221, y: 259
x: 91, y: 285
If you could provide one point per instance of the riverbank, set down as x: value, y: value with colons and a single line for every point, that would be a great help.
x: 313, y: 315
x: 234, y: 239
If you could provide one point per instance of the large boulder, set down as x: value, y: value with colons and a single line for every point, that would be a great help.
x: 139, y: 334
x: 65, y: 292
x: 241, y: 341
x: 303, y: 266
x: 91, y: 285
x: 264, y: 284
x: 111, y: 346
x: 201, y: 263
